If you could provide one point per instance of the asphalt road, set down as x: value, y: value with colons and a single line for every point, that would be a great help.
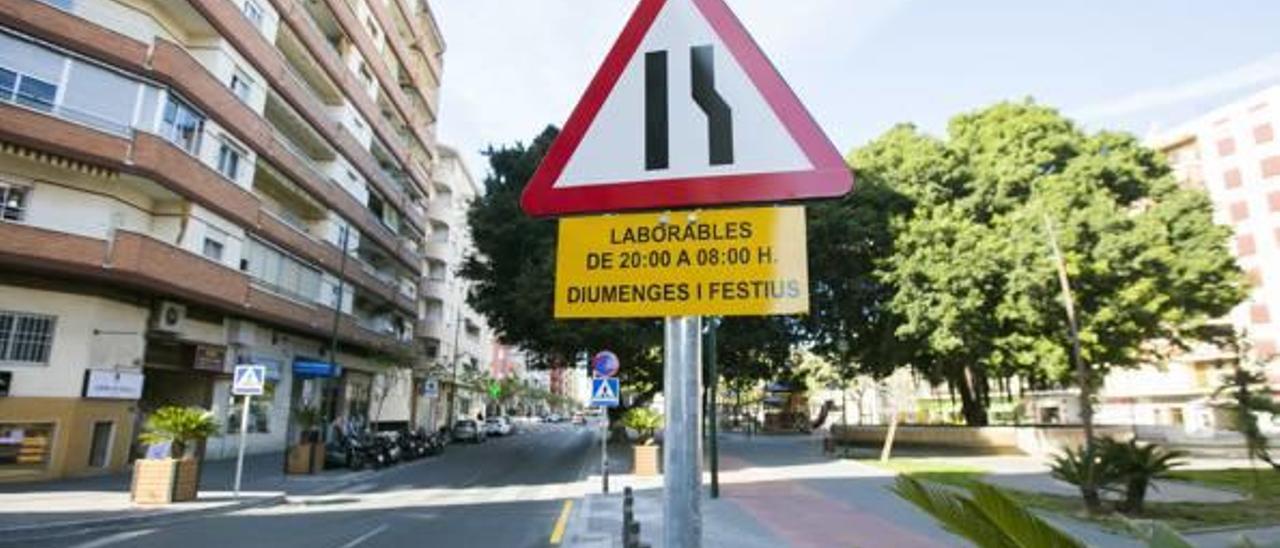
x: 507, y: 492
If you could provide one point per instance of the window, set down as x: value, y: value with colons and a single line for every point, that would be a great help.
x: 1226, y: 147
x: 253, y: 12
x: 25, y: 338
x: 213, y: 249
x: 241, y: 86
x: 60, y: 4
x: 1263, y: 134
x: 1232, y: 179
x: 27, y: 90
x: 182, y: 125
x: 281, y: 272
x: 229, y: 161
x: 13, y: 203
x: 100, y: 444
x: 25, y: 445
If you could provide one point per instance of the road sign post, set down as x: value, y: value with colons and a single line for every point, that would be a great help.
x: 244, y: 429
x: 247, y: 382
x: 682, y: 439
x: 686, y: 112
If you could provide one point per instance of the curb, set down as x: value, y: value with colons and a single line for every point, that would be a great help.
x: 45, y: 531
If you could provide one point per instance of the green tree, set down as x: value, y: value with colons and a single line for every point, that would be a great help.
x: 513, y: 279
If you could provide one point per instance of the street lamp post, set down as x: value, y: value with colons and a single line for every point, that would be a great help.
x: 457, y: 327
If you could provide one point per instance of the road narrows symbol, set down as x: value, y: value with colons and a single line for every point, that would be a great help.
x: 719, y: 115
x: 657, y: 113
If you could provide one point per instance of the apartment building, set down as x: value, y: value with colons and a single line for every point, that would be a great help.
x: 186, y: 185
x: 455, y: 337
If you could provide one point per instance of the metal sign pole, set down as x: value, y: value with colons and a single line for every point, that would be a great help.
x: 682, y: 440
x: 604, y: 454
x: 244, y: 427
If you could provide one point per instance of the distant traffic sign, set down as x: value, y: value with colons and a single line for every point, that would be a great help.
x: 249, y: 380
x: 605, y: 392
x: 726, y: 262
x: 605, y: 364
x: 686, y: 111
x: 430, y: 388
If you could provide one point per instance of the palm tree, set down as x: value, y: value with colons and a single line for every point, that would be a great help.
x: 1136, y: 466
x: 987, y: 517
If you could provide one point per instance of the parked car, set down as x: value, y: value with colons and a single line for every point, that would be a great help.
x: 553, y: 418
x: 579, y: 418
x: 468, y: 430
x: 497, y: 426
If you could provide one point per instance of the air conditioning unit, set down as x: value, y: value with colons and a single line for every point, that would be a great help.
x: 170, y: 317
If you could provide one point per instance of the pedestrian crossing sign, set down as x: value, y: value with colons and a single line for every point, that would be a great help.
x: 249, y: 380
x: 604, y: 392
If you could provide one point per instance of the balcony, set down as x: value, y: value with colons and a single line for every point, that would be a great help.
x: 437, y: 289
x: 439, y: 250
x: 429, y: 329
x: 441, y: 210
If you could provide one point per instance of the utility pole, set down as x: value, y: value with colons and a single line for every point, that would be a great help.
x: 712, y: 326
x: 457, y: 327
x: 344, y: 237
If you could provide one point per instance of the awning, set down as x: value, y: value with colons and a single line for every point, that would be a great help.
x: 304, y: 367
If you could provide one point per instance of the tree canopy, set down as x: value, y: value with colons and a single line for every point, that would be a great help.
x: 940, y: 259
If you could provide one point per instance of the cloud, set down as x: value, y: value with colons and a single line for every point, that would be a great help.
x: 1261, y: 71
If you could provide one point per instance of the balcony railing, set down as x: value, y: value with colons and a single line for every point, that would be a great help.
x: 73, y: 115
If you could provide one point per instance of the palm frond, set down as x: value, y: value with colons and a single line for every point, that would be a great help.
x: 956, y: 513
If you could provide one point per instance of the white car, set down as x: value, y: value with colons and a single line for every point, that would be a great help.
x: 497, y: 426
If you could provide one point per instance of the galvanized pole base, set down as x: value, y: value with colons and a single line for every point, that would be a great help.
x: 682, y: 438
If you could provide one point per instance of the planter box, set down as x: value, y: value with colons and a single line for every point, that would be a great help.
x: 164, y: 481
x: 645, y: 460
x: 305, y: 458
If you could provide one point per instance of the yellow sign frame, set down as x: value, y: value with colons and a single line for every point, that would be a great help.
x: 719, y: 262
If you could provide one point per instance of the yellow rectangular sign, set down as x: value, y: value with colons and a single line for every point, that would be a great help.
x: 722, y: 262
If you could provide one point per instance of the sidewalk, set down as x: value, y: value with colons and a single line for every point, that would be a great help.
x: 57, y: 508
x: 775, y: 491
x: 781, y: 491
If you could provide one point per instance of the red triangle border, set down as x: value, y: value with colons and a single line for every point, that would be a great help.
x: 830, y: 178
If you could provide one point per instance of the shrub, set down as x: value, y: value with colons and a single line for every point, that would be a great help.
x: 1120, y: 467
x: 179, y: 426
x: 644, y: 421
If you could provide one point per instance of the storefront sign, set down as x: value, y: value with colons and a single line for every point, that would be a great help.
x: 210, y: 357
x: 6, y: 379
x: 727, y: 262
x: 274, y: 366
x: 315, y: 368
x: 113, y: 385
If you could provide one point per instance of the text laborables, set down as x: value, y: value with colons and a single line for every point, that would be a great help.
x: 676, y: 233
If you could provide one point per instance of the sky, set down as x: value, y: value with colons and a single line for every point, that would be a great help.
x: 512, y: 67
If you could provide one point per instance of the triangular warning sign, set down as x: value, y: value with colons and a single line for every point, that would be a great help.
x: 686, y: 111
x: 604, y: 391
x: 249, y: 378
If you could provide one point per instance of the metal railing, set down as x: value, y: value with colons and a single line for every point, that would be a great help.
x: 73, y: 115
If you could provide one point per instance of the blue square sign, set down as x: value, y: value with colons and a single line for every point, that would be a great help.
x: 249, y: 380
x: 605, y: 392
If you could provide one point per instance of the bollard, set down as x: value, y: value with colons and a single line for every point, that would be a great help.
x: 632, y: 540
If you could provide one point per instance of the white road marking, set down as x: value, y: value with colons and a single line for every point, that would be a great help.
x: 360, y: 539
x: 115, y: 539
